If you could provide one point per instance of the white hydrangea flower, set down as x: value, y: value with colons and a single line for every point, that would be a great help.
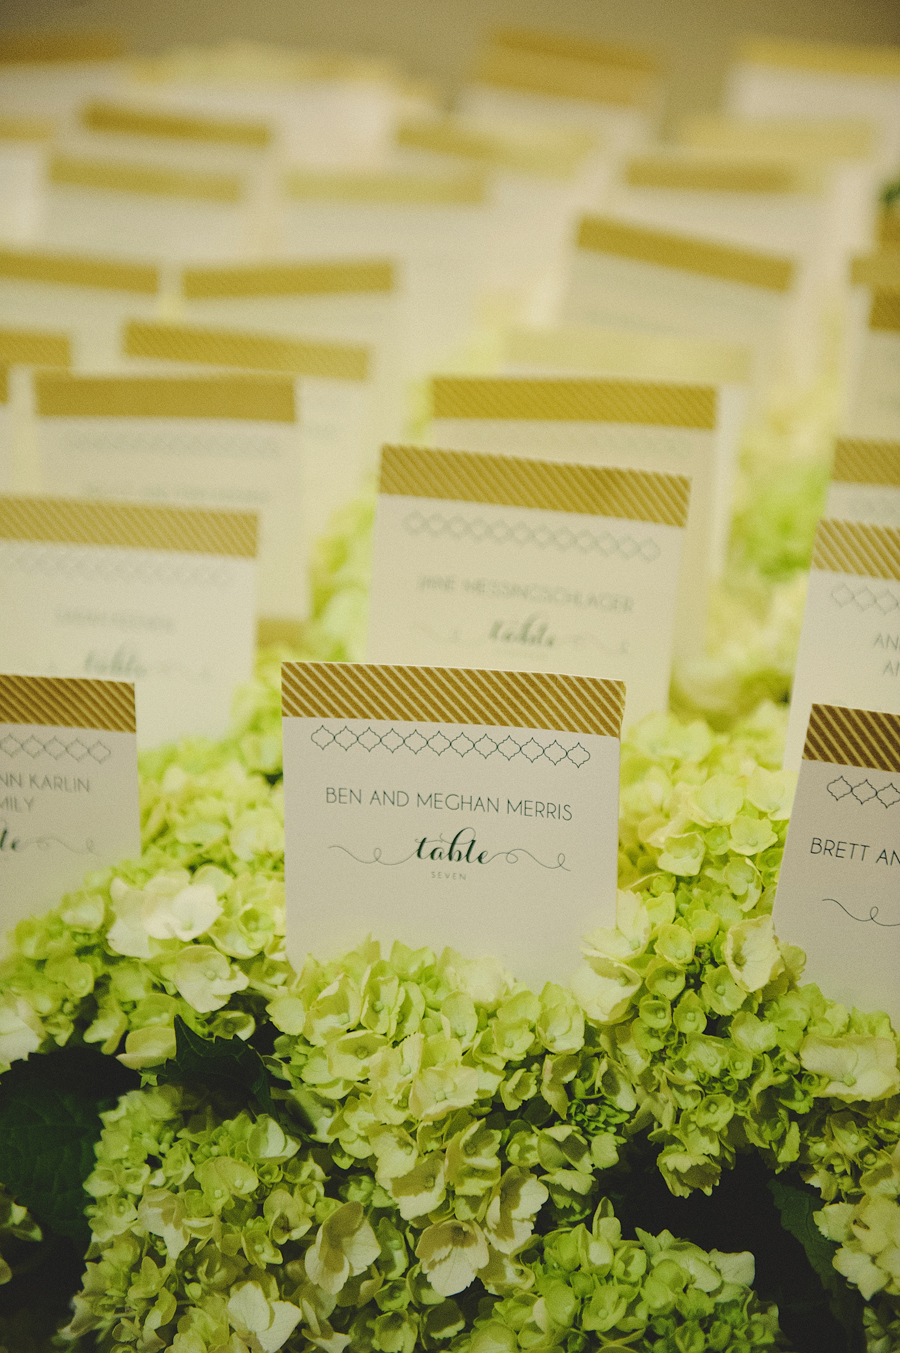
x: 21, y: 1032
x: 128, y: 935
x: 267, y: 1325
x: 173, y: 911
x: 205, y: 978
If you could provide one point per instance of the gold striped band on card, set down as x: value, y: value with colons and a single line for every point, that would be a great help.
x: 806, y: 139
x: 79, y: 521
x: 468, y: 188
x: 234, y: 348
x: 288, y: 279
x: 713, y: 176
x: 252, y: 398
x: 346, y: 690
x: 884, y: 312
x: 857, y: 461
x: 4, y: 385
x: 857, y: 547
x: 34, y: 347
x: 889, y: 229
x: 37, y: 48
x: 548, y: 150
x: 68, y: 702
x: 100, y: 116
x: 866, y: 738
x: 469, y: 477
x: 829, y: 58
x: 880, y: 270
x: 574, y: 400
x: 604, y: 235
x: 146, y: 179
x: 67, y: 270
x: 545, y: 63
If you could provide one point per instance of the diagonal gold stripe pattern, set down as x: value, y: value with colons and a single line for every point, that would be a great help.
x: 853, y: 737
x: 468, y: 188
x: 72, y: 270
x: 74, y: 521
x: 708, y: 175
x: 574, y: 400
x: 26, y: 128
x: 120, y: 117
x: 856, y: 547
x: 34, y: 347
x: 68, y: 702
x: 885, y: 310
x: 4, y: 385
x: 604, y: 235
x: 227, y: 347
x: 345, y: 690
x: 469, y: 477
x: 549, y: 150
x: 575, y: 48
x: 857, y: 461
x: 154, y: 180
x: 548, y: 64
x: 263, y: 399
x: 287, y: 279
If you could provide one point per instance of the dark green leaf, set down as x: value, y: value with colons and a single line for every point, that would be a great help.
x: 50, y: 1107
x: 228, y: 1064
x: 796, y: 1204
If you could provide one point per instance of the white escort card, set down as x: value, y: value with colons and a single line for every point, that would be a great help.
x: 873, y: 378
x: 838, y: 897
x: 20, y: 351
x: 850, y: 642
x: 24, y: 149
x: 433, y: 224
x: 524, y: 76
x: 625, y: 276
x: 339, y: 300
x: 865, y: 481
x: 785, y: 78
x: 85, y: 297
x: 125, y: 208
x: 158, y: 596
x: 634, y: 425
x: 493, y: 561
x: 68, y: 787
x: 208, y: 441
x: 443, y: 806
x: 334, y: 398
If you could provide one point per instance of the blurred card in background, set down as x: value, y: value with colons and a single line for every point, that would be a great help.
x: 157, y: 596
x: 189, y: 441
x: 865, y: 481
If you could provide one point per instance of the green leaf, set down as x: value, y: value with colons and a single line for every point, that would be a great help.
x: 50, y: 1106
x: 228, y: 1064
x: 796, y: 1204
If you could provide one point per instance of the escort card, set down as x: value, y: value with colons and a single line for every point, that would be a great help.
x: 204, y: 441
x: 84, y: 297
x: 434, y: 224
x: 778, y: 77
x: 634, y: 277
x: 850, y: 643
x: 865, y: 481
x: 445, y: 806
x: 128, y: 208
x: 68, y: 787
x: 838, y: 896
x: 492, y: 561
x: 334, y: 394
x: 153, y: 595
x: 874, y: 348
x: 335, y: 300
x: 21, y: 350
x: 634, y: 425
